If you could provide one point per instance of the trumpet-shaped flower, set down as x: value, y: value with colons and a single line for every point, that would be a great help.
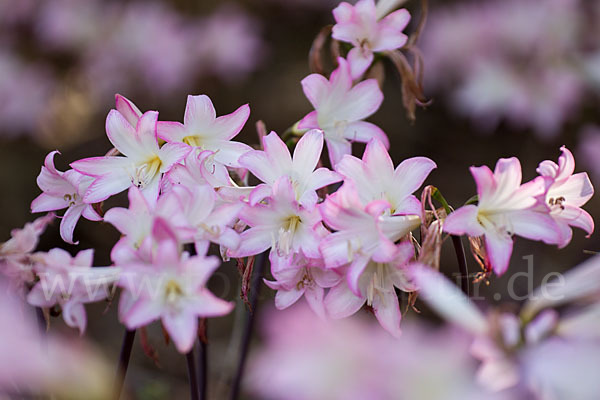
x: 202, y: 129
x: 143, y: 164
x: 359, y: 25
x: 506, y: 208
x: 565, y: 194
x: 63, y: 190
x: 340, y: 109
x: 173, y: 289
x: 308, y: 279
x: 374, y: 284
x: 70, y: 282
x: 282, y: 225
x: 275, y: 162
x: 376, y: 179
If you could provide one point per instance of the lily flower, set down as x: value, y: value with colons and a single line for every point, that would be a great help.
x: 203, y: 130
x: 340, y: 109
x: 143, y: 163
x: 173, y: 289
x: 360, y: 25
x: 282, y: 225
x: 64, y: 190
x: 506, y: 208
x: 376, y: 179
x: 70, y: 282
x: 565, y: 194
x: 275, y: 162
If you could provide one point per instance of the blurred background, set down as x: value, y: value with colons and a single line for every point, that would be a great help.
x: 506, y: 78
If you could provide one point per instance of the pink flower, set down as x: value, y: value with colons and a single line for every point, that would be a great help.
x: 282, y: 225
x: 565, y: 194
x: 275, y: 162
x: 15, y: 253
x: 135, y: 223
x: 340, y: 109
x: 143, y: 164
x: 203, y: 130
x: 172, y: 288
x: 374, y: 283
x: 505, y: 208
x: 359, y: 25
x: 308, y: 279
x: 376, y: 179
x: 64, y: 190
x: 70, y: 282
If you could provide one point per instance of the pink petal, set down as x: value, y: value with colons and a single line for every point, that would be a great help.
x: 68, y: 222
x: 45, y: 202
x: 259, y: 164
x: 360, y: 60
x: 484, y: 179
x: 337, y: 149
x: 142, y: 313
x: 535, y: 226
x: 355, y: 271
x: 361, y: 102
x: 98, y: 166
x: 285, y: 298
x: 121, y: 134
x: 182, y: 328
x: 253, y: 241
x: 464, y: 221
x: 277, y: 152
x: 387, y: 312
x: 343, y: 12
x: 74, y: 315
x: 307, y: 153
x: 314, y: 298
x: 310, y: 121
x: 171, y: 131
x: 316, y: 89
x: 411, y: 173
x: 363, y: 132
x: 208, y: 305
x: 340, y: 302
x: 228, y: 126
x: 198, y: 111
x: 172, y: 153
x: 129, y: 110
x: 106, y: 186
x: 378, y: 160
x: 499, y: 249
x: 229, y: 153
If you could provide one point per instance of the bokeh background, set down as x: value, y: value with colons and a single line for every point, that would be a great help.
x: 505, y: 78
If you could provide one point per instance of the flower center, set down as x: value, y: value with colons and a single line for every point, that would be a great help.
x: 377, y: 283
x: 557, y: 202
x: 173, y: 292
x: 286, y: 234
x: 71, y: 198
x: 146, y: 172
x: 193, y: 141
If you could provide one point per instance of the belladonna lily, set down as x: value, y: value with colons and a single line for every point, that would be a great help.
x: 281, y: 225
x: 307, y: 278
x: 143, y: 163
x: 376, y: 179
x: 172, y: 288
x: 202, y: 129
x: 374, y: 284
x: 70, y: 282
x: 505, y: 208
x: 340, y: 109
x: 63, y: 190
x: 565, y: 194
x: 275, y: 162
x: 359, y: 25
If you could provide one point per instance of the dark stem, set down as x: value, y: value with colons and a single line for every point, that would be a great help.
x: 124, y: 357
x: 462, y: 263
x: 259, y: 267
x: 203, y: 362
x: 191, y: 365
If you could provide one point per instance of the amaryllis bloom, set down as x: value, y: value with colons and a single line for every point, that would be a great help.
x: 64, y: 190
x: 340, y: 109
x: 207, y: 219
x: 15, y: 253
x: 376, y: 179
x: 143, y: 164
x: 359, y: 25
x: 308, y: 279
x: 363, y: 232
x: 505, y: 208
x: 375, y: 284
x: 565, y: 194
x: 70, y: 282
x: 202, y: 129
x: 282, y: 225
x: 275, y: 162
x: 135, y: 222
x: 172, y: 288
